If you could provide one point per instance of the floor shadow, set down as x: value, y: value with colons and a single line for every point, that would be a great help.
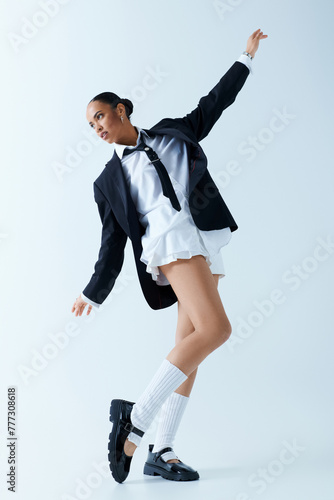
x: 223, y: 472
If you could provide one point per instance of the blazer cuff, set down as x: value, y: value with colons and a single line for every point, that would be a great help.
x: 89, y: 301
x: 247, y: 61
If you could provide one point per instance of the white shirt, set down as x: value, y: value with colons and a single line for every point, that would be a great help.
x: 155, y: 211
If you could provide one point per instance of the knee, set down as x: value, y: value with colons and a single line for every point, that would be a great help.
x: 222, y: 333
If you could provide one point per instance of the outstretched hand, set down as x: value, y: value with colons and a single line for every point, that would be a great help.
x: 79, y: 306
x: 253, y: 41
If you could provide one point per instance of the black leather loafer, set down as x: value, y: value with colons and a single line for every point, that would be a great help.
x: 119, y: 462
x: 178, y: 471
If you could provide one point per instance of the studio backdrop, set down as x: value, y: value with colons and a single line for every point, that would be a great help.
x: 266, y: 394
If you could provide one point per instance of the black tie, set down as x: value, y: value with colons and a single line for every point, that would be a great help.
x: 167, y: 186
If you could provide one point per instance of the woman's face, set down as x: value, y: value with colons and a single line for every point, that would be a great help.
x: 105, y: 121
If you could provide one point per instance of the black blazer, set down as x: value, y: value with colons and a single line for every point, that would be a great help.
x: 118, y: 213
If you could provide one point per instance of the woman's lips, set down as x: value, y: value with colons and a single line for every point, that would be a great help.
x: 104, y: 135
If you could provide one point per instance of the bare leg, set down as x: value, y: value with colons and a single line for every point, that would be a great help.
x: 183, y: 329
x: 196, y: 289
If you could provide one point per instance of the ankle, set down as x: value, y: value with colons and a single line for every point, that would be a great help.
x: 129, y: 448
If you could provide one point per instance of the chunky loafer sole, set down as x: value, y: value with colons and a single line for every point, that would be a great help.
x: 119, y: 462
x: 178, y: 471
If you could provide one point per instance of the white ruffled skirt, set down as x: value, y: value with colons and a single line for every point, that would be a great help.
x: 172, y: 235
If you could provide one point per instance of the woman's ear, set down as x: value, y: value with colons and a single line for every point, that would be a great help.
x: 121, y: 109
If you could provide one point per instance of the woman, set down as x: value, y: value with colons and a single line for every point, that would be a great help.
x: 177, y: 222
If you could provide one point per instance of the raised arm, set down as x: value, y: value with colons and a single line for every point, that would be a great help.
x: 211, y: 106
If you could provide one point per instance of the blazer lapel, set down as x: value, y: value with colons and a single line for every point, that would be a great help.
x: 116, y: 186
x: 118, y: 192
x: 197, y: 158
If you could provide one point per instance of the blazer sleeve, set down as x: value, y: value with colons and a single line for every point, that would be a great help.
x: 210, y: 107
x: 111, y: 253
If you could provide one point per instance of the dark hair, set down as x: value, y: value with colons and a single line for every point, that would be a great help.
x: 113, y: 100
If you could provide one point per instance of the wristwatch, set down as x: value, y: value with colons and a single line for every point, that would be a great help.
x: 248, y: 54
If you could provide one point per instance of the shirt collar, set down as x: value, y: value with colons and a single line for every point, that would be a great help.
x: 119, y: 148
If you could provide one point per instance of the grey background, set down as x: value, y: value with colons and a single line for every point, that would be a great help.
x: 267, y: 387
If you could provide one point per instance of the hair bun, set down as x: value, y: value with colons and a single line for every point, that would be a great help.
x: 128, y: 104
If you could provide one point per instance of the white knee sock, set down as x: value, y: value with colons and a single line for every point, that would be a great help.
x: 166, y: 380
x: 170, y: 418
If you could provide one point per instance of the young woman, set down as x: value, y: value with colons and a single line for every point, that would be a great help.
x: 157, y: 190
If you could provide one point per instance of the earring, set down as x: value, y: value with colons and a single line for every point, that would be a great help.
x: 122, y: 119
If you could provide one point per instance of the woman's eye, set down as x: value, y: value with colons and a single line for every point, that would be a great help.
x: 100, y: 114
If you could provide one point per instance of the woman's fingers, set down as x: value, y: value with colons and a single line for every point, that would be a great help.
x: 255, y: 33
x: 258, y: 34
x: 253, y: 41
x: 74, y: 306
x: 79, y: 310
x: 79, y: 306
